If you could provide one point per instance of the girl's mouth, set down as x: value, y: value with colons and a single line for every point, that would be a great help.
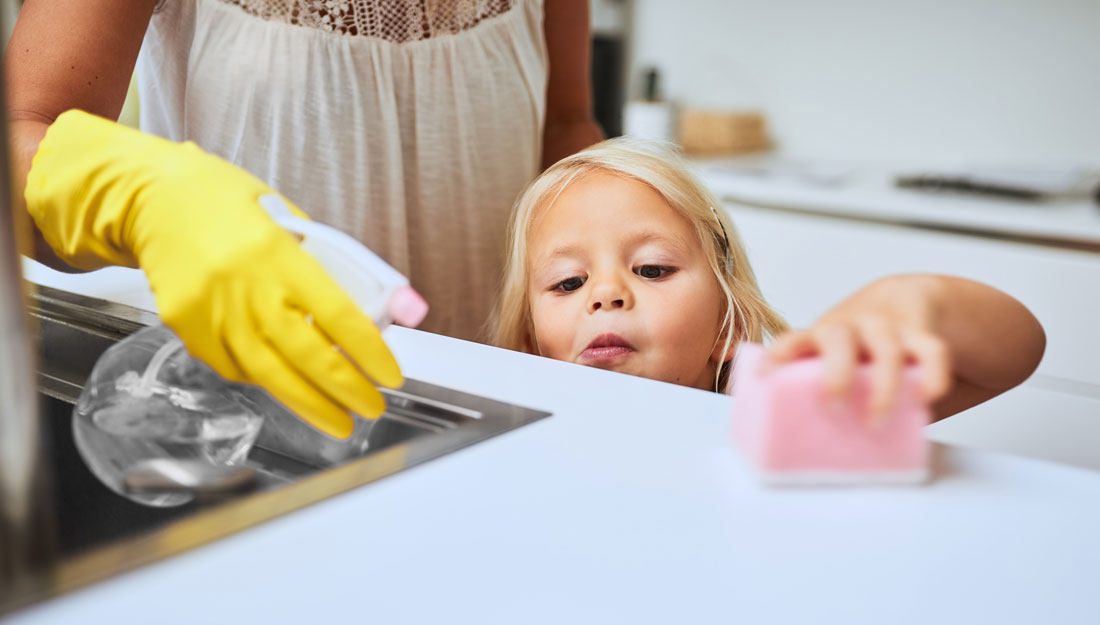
x: 606, y: 348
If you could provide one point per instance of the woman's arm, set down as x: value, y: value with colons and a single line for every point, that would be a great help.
x: 972, y: 341
x: 66, y: 54
x: 570, y: 125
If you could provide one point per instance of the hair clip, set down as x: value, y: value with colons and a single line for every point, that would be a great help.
x: 725, y: 240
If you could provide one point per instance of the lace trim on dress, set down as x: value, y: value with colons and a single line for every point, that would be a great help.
x: 398, y: 21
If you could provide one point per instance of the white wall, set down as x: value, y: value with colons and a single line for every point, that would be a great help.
x: 9, y: 10
x: 937, y: 81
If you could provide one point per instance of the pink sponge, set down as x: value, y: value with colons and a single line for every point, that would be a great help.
x: 788, y: 432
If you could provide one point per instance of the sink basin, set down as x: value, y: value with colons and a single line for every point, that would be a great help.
x: 98, y: 533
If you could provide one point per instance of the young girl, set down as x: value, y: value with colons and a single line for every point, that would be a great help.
x: 620, y: 259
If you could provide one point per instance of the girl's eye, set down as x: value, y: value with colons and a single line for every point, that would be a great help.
x: 569, y: 284
x: 653, y: 272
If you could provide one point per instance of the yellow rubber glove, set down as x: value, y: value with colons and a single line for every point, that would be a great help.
x: 236, y: 288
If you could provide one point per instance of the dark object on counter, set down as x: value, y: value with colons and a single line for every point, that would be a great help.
x: 608, y: 92
x: 652, y: 92
x: 941, y: 182
x: 1096, y: 194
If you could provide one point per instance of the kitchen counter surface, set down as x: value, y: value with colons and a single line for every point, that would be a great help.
x: 630, y: 505
x: 867, y: 192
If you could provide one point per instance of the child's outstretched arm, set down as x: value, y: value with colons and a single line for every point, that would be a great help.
x: 971, y: 341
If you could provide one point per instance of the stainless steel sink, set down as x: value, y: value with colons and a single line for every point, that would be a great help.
x: 98, y: 533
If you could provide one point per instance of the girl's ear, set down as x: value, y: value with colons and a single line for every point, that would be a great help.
x: 723, y: 352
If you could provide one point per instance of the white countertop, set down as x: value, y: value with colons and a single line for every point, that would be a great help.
x: 630, y: 505
x: 868, y: 192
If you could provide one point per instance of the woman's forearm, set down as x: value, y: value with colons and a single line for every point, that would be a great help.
x: 24, y: 134
x: 565, y: 136
x: 570, y: 124
x: 62, y: 55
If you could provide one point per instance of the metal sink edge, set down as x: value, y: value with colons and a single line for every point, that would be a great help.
x: 61, y: 316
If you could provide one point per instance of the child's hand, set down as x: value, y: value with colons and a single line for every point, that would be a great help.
x: 891, y: 324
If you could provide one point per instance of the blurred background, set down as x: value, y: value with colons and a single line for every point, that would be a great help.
x: 976, y: 80
x: 854, y: 139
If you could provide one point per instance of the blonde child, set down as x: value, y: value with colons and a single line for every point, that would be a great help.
x: 619, y: 259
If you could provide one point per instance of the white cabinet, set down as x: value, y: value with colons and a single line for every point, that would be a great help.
x: 806, y: 263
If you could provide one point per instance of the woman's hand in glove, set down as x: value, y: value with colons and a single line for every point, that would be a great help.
x: 232, y: 284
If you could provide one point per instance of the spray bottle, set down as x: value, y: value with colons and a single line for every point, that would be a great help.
x: 379, y: 290
x: 149, y: 404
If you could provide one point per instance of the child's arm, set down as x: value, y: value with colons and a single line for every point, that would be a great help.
x: 971, y: 341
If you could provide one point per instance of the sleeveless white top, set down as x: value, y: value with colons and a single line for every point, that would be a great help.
x: 410, y: 124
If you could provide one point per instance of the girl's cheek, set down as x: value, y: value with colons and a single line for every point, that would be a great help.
x: 552, y: 329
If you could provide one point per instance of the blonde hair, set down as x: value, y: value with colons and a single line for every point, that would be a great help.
x: 747, y: 316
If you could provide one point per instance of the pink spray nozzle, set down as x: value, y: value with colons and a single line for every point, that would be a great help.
x: 406, y: 307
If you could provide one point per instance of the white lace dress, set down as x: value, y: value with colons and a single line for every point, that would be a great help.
x: 410, y: 124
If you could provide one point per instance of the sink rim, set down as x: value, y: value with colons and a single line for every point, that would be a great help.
x: 211, y: 522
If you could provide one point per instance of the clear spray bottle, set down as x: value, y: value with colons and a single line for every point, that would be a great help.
x: 148, y: 403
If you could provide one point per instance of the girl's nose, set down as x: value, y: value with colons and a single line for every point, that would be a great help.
x: 610, y: 294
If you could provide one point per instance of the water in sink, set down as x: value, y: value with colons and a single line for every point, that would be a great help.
x: 218, y: 438
x: 115, y: 438
x: 147, y: 399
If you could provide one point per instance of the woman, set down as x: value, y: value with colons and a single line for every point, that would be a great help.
x: 411, y: 124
